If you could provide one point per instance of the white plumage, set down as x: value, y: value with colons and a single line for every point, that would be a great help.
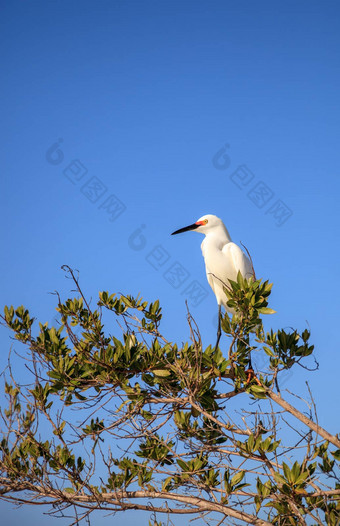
x: 223, y: 258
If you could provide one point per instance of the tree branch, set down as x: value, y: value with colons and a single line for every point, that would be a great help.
x: 300, y: 416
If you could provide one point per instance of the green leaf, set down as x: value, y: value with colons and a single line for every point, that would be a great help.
x: 237, y: 478
x: 279, y: 478
x: 301, y: 479
x: 251, y: 442
x: 336, y: 454
x: 161, y: 372
x: 268, y: 351
x: 267, y: 310
x: 166, y: 483
x: 295, y: 471
x: 258, y: 502
x: 287, y: 472
x: 258, y: 391
x: 183, y: 465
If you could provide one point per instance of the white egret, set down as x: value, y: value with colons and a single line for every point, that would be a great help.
x: 223, y: 259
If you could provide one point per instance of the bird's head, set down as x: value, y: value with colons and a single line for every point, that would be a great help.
x: 204, y: 224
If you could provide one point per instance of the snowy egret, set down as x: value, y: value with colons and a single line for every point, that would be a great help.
x: 223, y: 259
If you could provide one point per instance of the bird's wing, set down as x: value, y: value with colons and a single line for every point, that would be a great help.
x: 210, y: 279
x: 240, y: 261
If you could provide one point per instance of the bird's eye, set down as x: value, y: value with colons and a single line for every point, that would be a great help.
x: 205, y: 221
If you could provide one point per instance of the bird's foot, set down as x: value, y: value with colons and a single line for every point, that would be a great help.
x: 251, y: 376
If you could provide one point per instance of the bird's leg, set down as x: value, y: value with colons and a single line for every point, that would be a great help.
x: 219, y: 328
x: 250, y: 372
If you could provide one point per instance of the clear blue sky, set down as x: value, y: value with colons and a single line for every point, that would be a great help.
x: 144, y: 95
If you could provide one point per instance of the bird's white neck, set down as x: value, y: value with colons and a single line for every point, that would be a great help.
x: 221, y: 233
x: 216, y: 237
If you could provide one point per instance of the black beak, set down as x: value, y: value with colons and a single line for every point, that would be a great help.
x: 186, y: 228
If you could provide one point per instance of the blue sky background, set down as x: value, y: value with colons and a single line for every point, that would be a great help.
x: 143, y: 95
